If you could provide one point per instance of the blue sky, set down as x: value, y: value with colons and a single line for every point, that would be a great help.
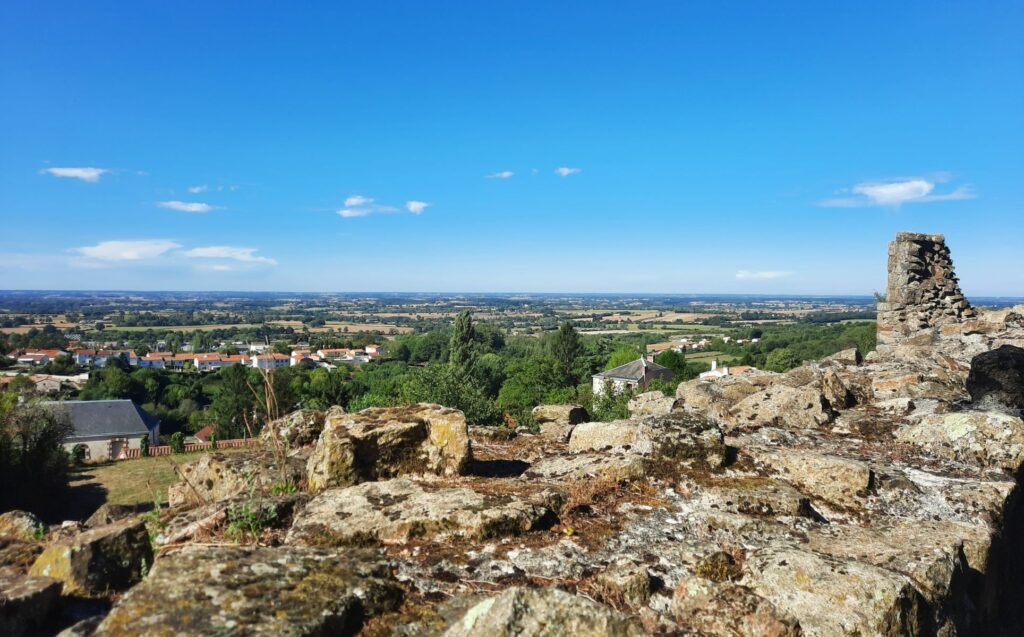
x: 496, y: 146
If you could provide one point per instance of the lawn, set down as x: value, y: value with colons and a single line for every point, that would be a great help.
x: 137, y: 481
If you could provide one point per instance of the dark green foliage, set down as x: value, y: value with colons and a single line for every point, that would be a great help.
x: 460, y: 346
x: 78, y: 454
x: 566, y: 348
x: 178, y: 442
x: 33, y: 463
x: 144, y: 446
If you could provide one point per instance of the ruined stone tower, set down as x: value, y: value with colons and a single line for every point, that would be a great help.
x: 923, y: 293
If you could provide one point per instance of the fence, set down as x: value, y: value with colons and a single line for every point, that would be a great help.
x: 166, y: 450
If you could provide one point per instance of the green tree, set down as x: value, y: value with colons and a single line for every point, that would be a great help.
x: 451, y: 386
x: 781, y: 360
x: 676, y: 361
x: 33, y: 463
x: 621, y: 356
x: 460, y: 345
x: 566, y: 348
x: 529, y: 383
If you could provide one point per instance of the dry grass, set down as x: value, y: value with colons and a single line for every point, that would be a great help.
x: 137, y: 481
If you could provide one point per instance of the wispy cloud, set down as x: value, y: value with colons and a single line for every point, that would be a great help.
x: 761, y: 274
x: 195, y: 190
x: 357, y: 200
x: 88, y: 174
x: 416, y: 207
x: 565, y: 171
x: 896, y: 192
x: 233, y: 253
x: 187, y: 206
x: 504, y: 174
x: 128, y: 250
x: 362, y: 206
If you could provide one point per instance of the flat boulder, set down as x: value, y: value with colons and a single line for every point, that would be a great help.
x: 677, y: 436
x: 581, y: 466
x: 26, y: 604
x: 997, y: 378
x: 711, y: 609
x: 299, y: 428
x: 288, y: 590
x: 398, y: 510
x: 652, y: 403
x: 840, y: 481
x: 832, y: 597
x: 542, y: 612
x: 987, y: 439
x: 218, y: 476
x: 714, y: 398
x: 381, y: 443
x: 559, y: 414
x: 784, y: 406
x: 99, y: 561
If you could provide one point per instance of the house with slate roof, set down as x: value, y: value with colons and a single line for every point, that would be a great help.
x: 106, y: 427
x: 636, y: 375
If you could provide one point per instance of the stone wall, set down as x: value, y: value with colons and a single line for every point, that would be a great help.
x: 922, y: 294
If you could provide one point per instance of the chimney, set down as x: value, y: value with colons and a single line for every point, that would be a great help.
x: 714, y: 365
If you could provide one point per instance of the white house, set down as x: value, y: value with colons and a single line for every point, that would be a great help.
x: 106, y: 427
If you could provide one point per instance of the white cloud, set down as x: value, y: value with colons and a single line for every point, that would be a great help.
x: 565, y: 171
x: 358, y: 200
x: 233, y: 253
x: 416, y: 207
x: 91, y: 175
x: 503, y: 174
x: 896, y: 192
x: 187, y: 206
x: 348, y: 213
x: 127, y: 250
x: 195, y: 190
x: 761, y: 275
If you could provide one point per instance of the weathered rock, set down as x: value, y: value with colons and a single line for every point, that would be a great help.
x: 298, y: 428
x: 217, y: 476
x: 560, y: 414
x: 333, y: 461
x: 99, y: 561
x: 714, y: 398
x: 837, y: 480
x: 851, y: 357
x: 255, y: 591
x: 17, y: 556
x: 758, y: 497
x: 380, y: 443
x: 398, y: 510
x: 623, y: 466
x: 676, y: 436
x: 21, y: 525
x: 652, y: 403
x: 831, y: 597
x: 82, y: 628
x: 784, y: 406
x: 109, y: 513
x: 26, y: 603
x: 997, y: 377
x: 988, y: 439
x: 626, y: 583
x: 729, y: 610
x: 544, y: 612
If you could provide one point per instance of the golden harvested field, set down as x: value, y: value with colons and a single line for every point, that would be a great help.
x: 24, y: 329
x: 184, y: 328
x: 383, y: 328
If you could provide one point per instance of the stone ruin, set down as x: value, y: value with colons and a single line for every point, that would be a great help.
x: 923, y: 292
x: 856, y: 495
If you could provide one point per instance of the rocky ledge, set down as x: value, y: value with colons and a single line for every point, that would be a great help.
x: 858, y: 495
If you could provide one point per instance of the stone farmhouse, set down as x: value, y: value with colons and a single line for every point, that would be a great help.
x: 636, y: 375
x: 107, y: 427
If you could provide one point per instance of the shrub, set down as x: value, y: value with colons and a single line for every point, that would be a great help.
x: 178, y: 442
x: 78, y: 454
x: 144, y: 446
x: 213, y: 440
